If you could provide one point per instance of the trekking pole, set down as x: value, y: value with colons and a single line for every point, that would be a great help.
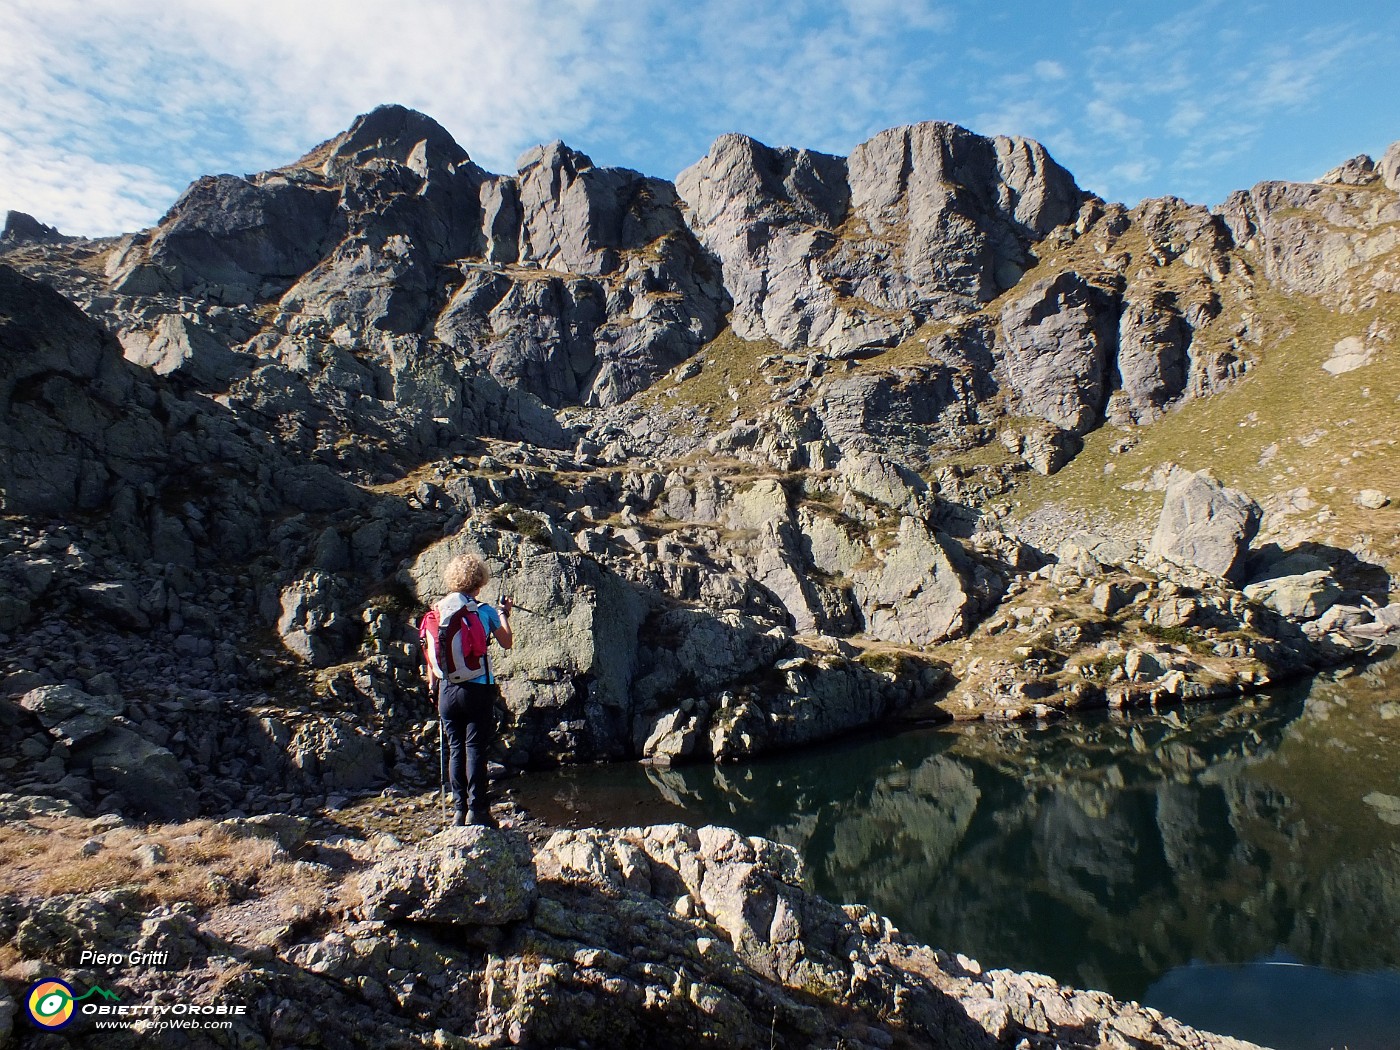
x: 442, y: 757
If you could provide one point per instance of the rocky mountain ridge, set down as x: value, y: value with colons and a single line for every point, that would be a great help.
x: 381, y: 344
x: 798, y: 444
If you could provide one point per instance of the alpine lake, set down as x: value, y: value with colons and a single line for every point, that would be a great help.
x: 1233, y: 864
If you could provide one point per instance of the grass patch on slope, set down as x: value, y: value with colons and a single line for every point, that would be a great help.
x: 1286, y: 425
x: 729, y: 377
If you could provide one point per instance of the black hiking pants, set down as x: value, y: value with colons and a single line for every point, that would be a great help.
x: 469, y: 717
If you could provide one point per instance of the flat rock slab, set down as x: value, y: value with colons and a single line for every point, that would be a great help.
x: 1305, y: 596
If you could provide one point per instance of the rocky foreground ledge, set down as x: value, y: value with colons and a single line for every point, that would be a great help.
x: 653, y: 937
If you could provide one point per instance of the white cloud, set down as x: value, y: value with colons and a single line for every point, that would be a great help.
x: 825, y: 84
x: 1198, y: 93
x: 112, y: 106
x: 1111, y: 119
x: 889, y: 17
x: 1187, y: 117
x: 77, y: 194
x: 1031, y: 117
x: 143, y: 85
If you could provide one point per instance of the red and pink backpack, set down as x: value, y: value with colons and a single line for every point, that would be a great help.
x: 455, y: 648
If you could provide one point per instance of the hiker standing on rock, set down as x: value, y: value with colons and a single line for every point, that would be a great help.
x: 456, y: 633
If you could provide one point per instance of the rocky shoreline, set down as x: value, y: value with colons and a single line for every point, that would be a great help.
x: 482, y: 938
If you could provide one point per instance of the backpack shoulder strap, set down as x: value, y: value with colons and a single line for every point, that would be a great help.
x: 428, y: 641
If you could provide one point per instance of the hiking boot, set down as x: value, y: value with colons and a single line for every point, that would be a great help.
x: 460, y: 820
x: 482, y: 818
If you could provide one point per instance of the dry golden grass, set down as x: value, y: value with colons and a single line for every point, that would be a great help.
x: 203, y: 864
x: 10, y: 959
x: 227, y: 981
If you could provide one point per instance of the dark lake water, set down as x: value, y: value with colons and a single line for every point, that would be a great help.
x: 1236, y: 866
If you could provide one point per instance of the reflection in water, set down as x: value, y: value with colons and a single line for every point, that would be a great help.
x: 1281, y: 1003
x: 1111, y: 853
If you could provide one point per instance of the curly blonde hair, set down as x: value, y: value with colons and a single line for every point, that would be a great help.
x: 465, y: 573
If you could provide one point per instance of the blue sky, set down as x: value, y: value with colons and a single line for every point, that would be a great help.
x: 111, y: 107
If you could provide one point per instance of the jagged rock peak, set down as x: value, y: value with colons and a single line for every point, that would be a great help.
x: 556, y: 155
x: 795, y: 183
x: 1358, y: 171
x: 237, y: 239
x: 388, y: 132
x: 1014, y: 176
x: 22, y: 228
x: 921, y: 221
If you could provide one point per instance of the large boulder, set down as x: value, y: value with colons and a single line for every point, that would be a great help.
x: 574, y: 659
x: 471, y: 876
x: 288, y: 830
x: 116, y: 601
x: 1206, y: 525
x: 920, y: 591
x: 1153, y: 338
x: 336, y: 754
x: 149, y: 778
x: 749, y: 888
x: 316, y: 623
x: 773, y: 558
x: 691, y: 654
x: 1044, y: 448
x: 56, y: 927
x: 24, y: 807
x: 886, y: 481
x: 176, y: 344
